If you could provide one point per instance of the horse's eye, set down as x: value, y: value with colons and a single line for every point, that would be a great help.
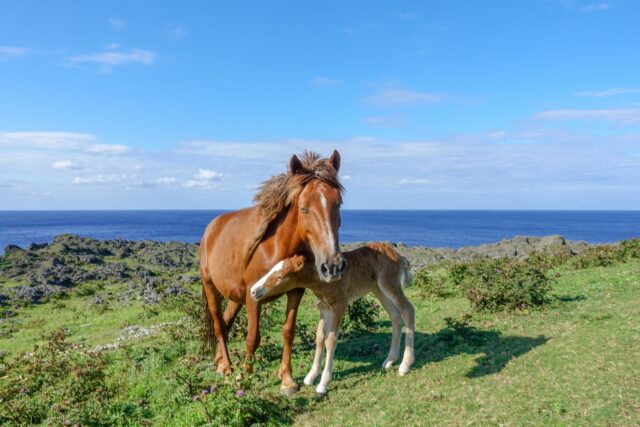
x: 304, y: 210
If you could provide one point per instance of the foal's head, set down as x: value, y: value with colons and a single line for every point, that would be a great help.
x: 318, y: 206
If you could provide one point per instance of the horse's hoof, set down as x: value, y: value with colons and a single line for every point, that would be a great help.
x: 321, y: 390
x: 289, y: 391
x: 224, y: 370
x: 403, y: 371
x: 309, y: 379
x: 387, y: 364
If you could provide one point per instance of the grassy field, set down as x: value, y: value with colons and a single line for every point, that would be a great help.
x: 575, y: 362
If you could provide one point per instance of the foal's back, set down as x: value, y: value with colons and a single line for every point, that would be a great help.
x: 369, y: 267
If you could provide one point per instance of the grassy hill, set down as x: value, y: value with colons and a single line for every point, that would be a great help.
x: 103, y: 359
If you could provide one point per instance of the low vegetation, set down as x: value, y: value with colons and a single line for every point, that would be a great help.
x: 549, y: 339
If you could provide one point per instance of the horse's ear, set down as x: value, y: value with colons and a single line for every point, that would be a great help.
x: 295, y: 165
x: 335, y: 160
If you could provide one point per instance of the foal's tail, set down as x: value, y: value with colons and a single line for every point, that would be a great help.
x: 207, y: 333
x: 406, y: 277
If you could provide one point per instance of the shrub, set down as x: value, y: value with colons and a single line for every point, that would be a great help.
x: 504, y: 283
x: 362, y: 316
x: 598, y: 256
x: 239, y: 400
x: 546, y: 261
x: 57, y: 384
x: 630, y: 249
x: 440, y: 280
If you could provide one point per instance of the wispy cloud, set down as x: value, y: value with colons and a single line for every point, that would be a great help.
x: 66, y: 165
x: 402, y: 97
x: 13, y: 52
x: 108, y: 149
x: 630, y: 116
x: 414, y: 181
x: 117, y: 24
x: 582, y: 7
x: 596, y: 7
x: 205, y: 178
x: 177, y: 30
x: 609, y: 92
x: 322, y: 81
x: 109, y: 59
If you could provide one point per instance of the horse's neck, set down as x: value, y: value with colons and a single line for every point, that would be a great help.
x: 286, y: 238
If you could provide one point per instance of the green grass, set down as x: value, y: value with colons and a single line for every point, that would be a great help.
x: 573, y: 362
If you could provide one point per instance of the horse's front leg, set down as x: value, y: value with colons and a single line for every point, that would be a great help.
x: 289, y: 386
x: 332, y: 323
x: 253, y: 331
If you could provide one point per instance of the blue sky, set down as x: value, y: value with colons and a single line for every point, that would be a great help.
x: 433, y: 105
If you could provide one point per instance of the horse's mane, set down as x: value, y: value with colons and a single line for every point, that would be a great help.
x: 278, y: 192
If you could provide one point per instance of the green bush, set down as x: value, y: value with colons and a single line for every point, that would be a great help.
x: 362, y: 316
x: 598, y: 256
x: 440, y: 280
x: 630, y: 249
x: 58, y: 384
x: 504, y: 283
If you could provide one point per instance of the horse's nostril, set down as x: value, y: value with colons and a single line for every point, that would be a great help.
x: 324, y: 269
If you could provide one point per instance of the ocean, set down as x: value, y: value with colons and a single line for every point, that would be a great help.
x: 428, y: 228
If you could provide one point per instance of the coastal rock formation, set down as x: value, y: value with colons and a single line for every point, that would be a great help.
x: 151, y: 271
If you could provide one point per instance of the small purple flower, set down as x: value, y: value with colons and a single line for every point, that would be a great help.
x: 195, y: 397
x: 205, y: 392
x: 240, y: 393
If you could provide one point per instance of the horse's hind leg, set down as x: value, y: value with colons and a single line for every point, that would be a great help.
x: 229, y: 316
x: 394, y: 293
x: 214, y: 304
x: 396, y: 322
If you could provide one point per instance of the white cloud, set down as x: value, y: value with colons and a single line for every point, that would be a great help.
x: 114, y: 45
x: 13, y: 52
x: 596, y: 7
x: 66, y: 165
x: 205, y: 178
x: 414, y: 181
x: 609, y: 92
x: 629, y: 116
x: 99, y: 179
x: 116, y: 58
x: 108, y: 149
x: 322, y: 81
x: 166, y: 180
x: 208, y: 175
x: 177, y: 30
x: 402, y: 97
x: 51, y: 140
x: 117, y: 24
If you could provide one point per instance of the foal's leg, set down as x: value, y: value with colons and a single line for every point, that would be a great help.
x: 394, y: 293
x: 253, y: 331
x: 332, y: 323
x: 317, y: 357
x: 396, y: 322
x: 214, y: 304
x: 294, y: 297
x: 229, y: 316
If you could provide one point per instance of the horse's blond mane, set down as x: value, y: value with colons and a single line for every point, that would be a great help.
x: 278, y: 192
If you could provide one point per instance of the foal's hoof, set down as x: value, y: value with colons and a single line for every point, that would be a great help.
x: 387, y: 364
x: 290, y: 390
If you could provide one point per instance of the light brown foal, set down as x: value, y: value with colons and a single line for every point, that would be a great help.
x: 376, y: 268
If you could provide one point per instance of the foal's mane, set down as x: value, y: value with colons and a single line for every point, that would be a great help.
x: 278, y: 192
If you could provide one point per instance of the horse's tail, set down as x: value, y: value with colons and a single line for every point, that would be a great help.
x: 207, y: 333
x: 406, y: 277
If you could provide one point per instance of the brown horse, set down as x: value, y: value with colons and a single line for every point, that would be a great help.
x: 294, y: 213
x: 376, y: 268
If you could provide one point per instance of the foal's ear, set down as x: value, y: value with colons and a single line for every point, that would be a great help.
x: 295, y: 165
x: 335, y: 160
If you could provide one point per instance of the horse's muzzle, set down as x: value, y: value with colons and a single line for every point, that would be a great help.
x: 332, y: 270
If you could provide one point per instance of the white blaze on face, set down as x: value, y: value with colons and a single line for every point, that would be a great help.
x: 329, y: 238
x: 257, y: 287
